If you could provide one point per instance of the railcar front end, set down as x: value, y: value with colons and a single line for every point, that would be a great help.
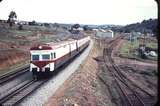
x: 42, y: 62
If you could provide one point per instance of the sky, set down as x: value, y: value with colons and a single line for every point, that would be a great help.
x: 97, y: 12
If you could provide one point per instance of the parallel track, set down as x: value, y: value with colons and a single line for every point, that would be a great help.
x: 7, y: 77
x: 121, y: 82
x: 17, y: 95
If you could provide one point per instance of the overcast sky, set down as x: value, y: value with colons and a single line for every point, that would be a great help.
x: 119, y: 12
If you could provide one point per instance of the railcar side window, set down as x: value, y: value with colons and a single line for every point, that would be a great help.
x: 35, y: 57
x: 51, y: 55
x: 45, y: 56
x: 54, y: 55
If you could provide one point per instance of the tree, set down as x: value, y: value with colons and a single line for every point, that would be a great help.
x: 74, y: 29
x: 76, y: 26
x: 32, y: 23
x: 20, y: 27
x: 158, y: 26
x: 85, y: 27
x: 56, y: 25
x: 12, y: 17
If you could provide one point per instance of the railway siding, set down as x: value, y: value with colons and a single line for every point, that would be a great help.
x: 123, y: 80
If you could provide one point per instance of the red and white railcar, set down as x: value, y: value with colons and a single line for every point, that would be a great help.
x: 48, y: 57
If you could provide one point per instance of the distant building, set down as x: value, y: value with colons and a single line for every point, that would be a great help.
x: 21, y: 22
x: 95, y: 29
x: 80, y: 29
x: 105, y: 33
x: 3, y: 21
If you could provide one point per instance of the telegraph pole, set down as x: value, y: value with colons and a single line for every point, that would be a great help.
x: 158, y: 26
x: 158, y: 34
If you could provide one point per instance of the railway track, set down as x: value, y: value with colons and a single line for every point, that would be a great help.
x: 9, y: 76
x: 151, y: 83
x: 125, y: 87
x: 16, y: 95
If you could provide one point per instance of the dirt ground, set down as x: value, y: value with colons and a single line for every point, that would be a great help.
x: 11, y: 57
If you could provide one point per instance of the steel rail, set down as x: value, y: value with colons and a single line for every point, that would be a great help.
x: 116, y: 71
x: 7, y: 77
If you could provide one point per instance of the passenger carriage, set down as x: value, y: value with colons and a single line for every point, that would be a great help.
x: 48, y: 57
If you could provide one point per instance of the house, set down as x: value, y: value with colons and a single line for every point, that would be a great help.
x: 105, y: 33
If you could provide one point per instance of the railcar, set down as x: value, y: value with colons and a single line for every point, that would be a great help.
x: 48, y: 57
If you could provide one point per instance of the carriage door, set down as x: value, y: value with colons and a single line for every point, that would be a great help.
x: 70, y: 48
x: 77, y: 45
x: 52, y: 64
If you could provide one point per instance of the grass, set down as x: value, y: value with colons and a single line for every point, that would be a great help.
x: 152, y: 45
x: 21, y: 32
x: 128, y: 49
x: 47, y: 38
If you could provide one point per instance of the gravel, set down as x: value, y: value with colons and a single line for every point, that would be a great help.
x: 40, y: 96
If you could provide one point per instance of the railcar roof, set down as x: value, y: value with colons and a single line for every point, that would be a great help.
x: 52, y: 45
x: 61, y: 42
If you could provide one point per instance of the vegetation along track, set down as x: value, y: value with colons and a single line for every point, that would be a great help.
x: 124, y: 86
x: 19, y: 93
x: 9, y: 76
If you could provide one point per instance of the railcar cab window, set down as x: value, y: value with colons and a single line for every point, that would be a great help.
x: 35, y: 57
x: 45, y: 57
